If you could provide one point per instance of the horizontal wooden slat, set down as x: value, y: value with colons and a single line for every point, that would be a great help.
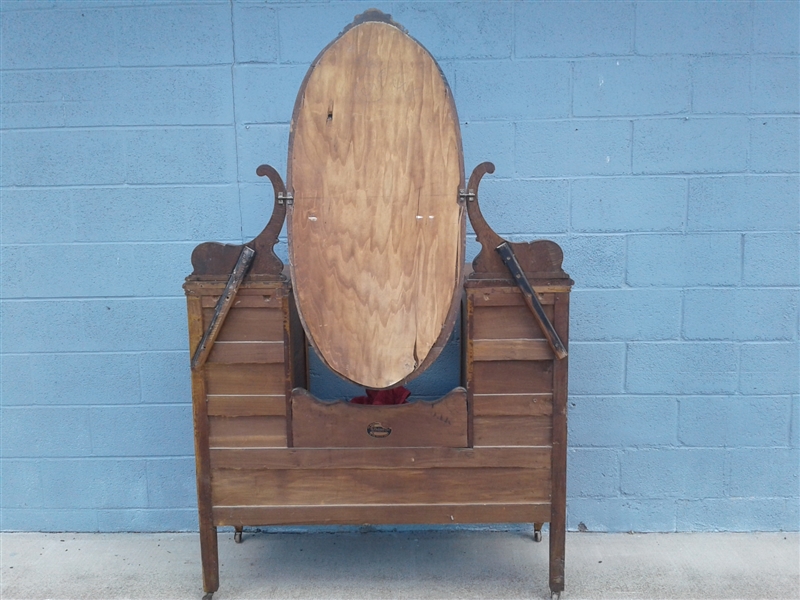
x: 246, y: 352
x: 230, y: 432
x: 247, y: 406
x: 509, y: 405
x: 249, y: 325
x: 512, y: 431
x: 505, y: 296
x: 511, y: 350
x: 245, y: 300
x: 371, y: 486
x: 266, y: 379
x: 382, y: 514
x: 505, y: 322
x: 379, y: 458
x: 513, y: 377
x: 318, y: 424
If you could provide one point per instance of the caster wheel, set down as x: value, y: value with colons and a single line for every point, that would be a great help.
x: 208, y: 596
x: 237, y: 537
x: 537, y: 536
x: 555, y: 595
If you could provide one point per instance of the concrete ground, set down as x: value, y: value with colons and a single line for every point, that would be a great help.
x: 406, y: 564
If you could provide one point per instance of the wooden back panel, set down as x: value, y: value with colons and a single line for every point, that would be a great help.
x: 376, y: 231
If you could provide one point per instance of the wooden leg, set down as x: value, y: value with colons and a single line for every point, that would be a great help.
x: 537, y: 532
x: 558, y: 497
x: 210, y: 558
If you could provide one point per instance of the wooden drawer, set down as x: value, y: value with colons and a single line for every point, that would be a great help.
x: 318, y: 424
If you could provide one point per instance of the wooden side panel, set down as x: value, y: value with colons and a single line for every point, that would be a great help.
x: 386, y: 514
x: 511, y: 350
x: 318, y: 424
x: 507, y: 322
x: 371, y: 486
x: 246, y: 352
x: 249, y: 324
x: 513, y: 405
x: 513, y: 431
x: 247, y: 406
x: 223, y: 379
x: 231, y: 432
x: 513, y: 377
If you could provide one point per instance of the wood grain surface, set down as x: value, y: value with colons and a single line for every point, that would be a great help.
x: 376, y: 231
x: 318, y: 424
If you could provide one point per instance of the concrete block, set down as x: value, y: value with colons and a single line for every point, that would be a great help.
x: 175, y: 35
x: 740, y: 314
x: 684, y: 260
x: 573, y: 29
x: 595, y: 260
x: 257, y: 200
x: 620, y: 514
x: 110, y: 325
x: 305, y: 30
x: 776, y: 84
x: 721, y: 84
x: 95, y: 483
x: 48, y: 519
x: 692, y: 28
x: 682, y: 368
x: 771, y: 259
x: 165, y: 377
x: 155, y: 430
x: 62, y: 157
x: 28, y: 215
x: 729, y: 203
x: 40, y: 39
x: 72, y: 378
x: 459, y: 29
x: 255, y: 33
x: 525, y: 206
x: 765, y: 472
x: 142, y: 214
x: 696, y: 145
x: 261, y: 144
x: 44, y: 432
x: 29, y: 271
x: 266, y: 93
x: 592, y: 472
x: 626, y: 421
x: 775, y: 145
x: 622, y: 315
x: 171, y: 483
x: 631, y: 86
x: 159, y: 269
x: 149, y: 519
x: 775, y: 27
x: 21, y: 485
x: 191, y: 155
x: 491, y: 141
x: 738, y: 514
x: 771, y: 368
x: 686, y: 473
x: 794, y: 434
x: 114, y: 97
x: 628, y: 204
x: 734, y: 421
x: 561, y: 148
x: 596, y: 368
x: 512, y: 90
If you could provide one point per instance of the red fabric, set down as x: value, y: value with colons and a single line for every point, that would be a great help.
x: 398, y: 395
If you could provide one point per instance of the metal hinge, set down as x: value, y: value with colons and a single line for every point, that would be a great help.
x: 285, y: 198
x: 466, y: 195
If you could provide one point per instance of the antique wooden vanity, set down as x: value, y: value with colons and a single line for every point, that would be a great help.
x: 376, y: 202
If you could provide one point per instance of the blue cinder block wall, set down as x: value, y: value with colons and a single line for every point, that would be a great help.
x: 657, y: 142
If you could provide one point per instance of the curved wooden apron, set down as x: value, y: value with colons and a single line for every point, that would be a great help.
x: 376, y: 231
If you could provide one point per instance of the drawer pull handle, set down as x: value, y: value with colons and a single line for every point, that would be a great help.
x: 377, y: 430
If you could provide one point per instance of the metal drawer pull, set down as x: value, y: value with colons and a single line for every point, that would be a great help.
x: 377, y: 430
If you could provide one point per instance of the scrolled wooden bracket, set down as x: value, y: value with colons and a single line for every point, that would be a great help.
x: 215, y: 259
x: 541, y: 257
